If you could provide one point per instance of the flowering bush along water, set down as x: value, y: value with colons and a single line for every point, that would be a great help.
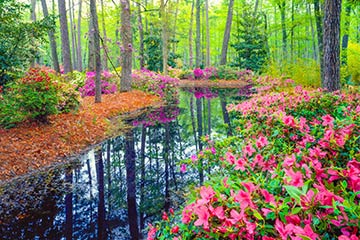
x: 291, y: 171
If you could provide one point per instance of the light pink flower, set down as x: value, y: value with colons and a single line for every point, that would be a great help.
x: 183, y: 168
x: 203, y: 217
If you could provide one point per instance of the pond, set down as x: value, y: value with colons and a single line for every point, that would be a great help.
x: 140, y: 173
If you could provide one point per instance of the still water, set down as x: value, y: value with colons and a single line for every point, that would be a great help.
x: 114, y: 190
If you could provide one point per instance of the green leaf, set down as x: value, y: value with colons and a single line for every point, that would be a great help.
x: 294, y: 192
x: 257, y: 215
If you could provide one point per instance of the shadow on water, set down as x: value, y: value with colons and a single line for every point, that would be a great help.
x: 117, y: 188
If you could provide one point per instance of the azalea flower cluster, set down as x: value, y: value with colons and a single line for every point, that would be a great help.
x: 163, y: 86
x: 291, y: 171
x: 106, y: 87
x: 163, y: 114
x: 212, y: 73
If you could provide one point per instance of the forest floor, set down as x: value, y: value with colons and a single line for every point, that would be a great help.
x: 30, y: 145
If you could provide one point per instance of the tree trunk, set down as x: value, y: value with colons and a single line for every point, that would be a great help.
x: 193, y: 121
x: 95, y: 23
x: 191, y: 57
x: 142, y: 176
x: 175, y: 26
x: 91, y: 57
x: 319, y: 27
x: 198, y: 37
x: 78, y: 49
x: 33, y: 19
x: 166, y: 160
x: 141, y: 36
x: 164, y: 37
x: 345, y: 38
x: 65, y: 45
x: 200, y: 134
x: 104, y: 41
x: 225, y: 115
x: 126, y: 35
x: 131, y: 184
x: 69, y: 206
x: 207, y: 62
x: 315, y: 51
x: 101, y: 191
x: 52, y: 40
x: 282, y: 7
x: 226, y: 39
x: 331, y: 42
x: 72, y: 33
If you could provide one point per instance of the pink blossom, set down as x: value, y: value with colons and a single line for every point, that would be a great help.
x: 186, y: 214
x: 206, y: 193
x: 289, y: 121
x: 248, y: 150
x: 152, y: 232
x: 296, y: 178
x: 269, y: 198
x: 289, y: 161
x: 328, y: 121
x: 203, y: 217
x: 219, y: 213
x: 183, y: 168
x: 284, y: 231
x: 261, y: 142
x: 244, y: 199
x: 240, y: 164
x: 194, y: 158
x: 230, y: 158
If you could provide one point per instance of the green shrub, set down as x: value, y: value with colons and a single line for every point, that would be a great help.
x: 69, y: 97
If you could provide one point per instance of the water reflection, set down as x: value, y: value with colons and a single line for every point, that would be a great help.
x: 114, y: 190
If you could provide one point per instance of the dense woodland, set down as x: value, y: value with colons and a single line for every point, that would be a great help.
x: 277, y: 37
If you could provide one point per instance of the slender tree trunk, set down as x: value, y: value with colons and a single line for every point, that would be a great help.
x: 126, y: 35
x: 104, y: 42
x: 33, y: 19
x: 193, y: 121
x: 72, y: 32
x: 65, y: 44
x: 108, y: 173
x: 319, y: 27
x: 191, y: 57
x: 175, y: 25
x: 54, y: 55
x: 292, y: 31
x: 101, y: 191
x: 332, y: 45
x: 282, y: 7
x: 166, y: 160
x: 141, y: 36
x: 69, y: 206
x: 142, y: 177
x: 198, y: 37
x: 91, y: 57
x: 345, y: 38
x: 207, y: 62
x: 226, y: 39
x: 200, y: 134
x: 164, y: 37
x: 225, y: 114
x: 78, y: 49
x: 130, y: 159
x: 209, y: 116
x: 315, y: 50
x: 97, y: 50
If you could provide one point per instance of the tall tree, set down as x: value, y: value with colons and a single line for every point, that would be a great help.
x: 99, y: 162
x: 191, y: 57
x: 226, y: 39
x: 104, y: 41
x: 282, y: 7
x: 95, y: 24
x: 331, y: 41
x: 345, y: 38
x: 207, y: 59
x: 65, y: 44
x: 164, y: 32
x: 72, y: 33
x: 130, y: 159
x: 319, y: 27
x: 126, y: 35
x: 52, y: 40
x: 141, y: 37
x: 78, y: 48
x: 198, y: 37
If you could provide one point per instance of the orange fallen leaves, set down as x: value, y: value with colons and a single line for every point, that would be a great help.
x: 30, y: 145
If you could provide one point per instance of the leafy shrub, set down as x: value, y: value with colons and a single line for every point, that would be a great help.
x: 33, y: 97
x: 76, y: 78
x: 351, y: 72
x: 106, y: 87
x: 285, y: 174
x: 69, y: 97
x: 163, y: 86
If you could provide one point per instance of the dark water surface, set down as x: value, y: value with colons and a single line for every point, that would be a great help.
x: 137, y: 173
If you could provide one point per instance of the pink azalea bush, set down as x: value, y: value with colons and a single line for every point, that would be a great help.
x: 106, y: 86
x: 291, y: 171
x: 163, y: 86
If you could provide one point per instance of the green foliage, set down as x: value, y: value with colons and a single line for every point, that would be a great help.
x: 19, y: 39
x: 37, y: 95
x: 153, y: 52
x: 305, y: 72
x: 351, y: 73
x: 250, y: 43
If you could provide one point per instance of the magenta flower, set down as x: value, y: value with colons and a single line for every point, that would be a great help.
x: 328, y: 121
x: 183, y: 168
x: 198, y: 73
x: 296, y: 178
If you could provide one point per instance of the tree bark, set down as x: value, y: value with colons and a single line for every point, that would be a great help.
x: 345, y: 38
x: 126, y: 35
x: 282, y: 7
x: 207, y: 61
x: 91, y: 57
x: 51, y: 34
x: 198, y: 37
x: 65, y: 44
x: 78, y: 49
x: 319, y: 27
x: 199, y: 112
x: 69, y: 207
x: 331, y: 41
x: 101, y: 191
x: 97, y: 50
x: 142, y: 177
x: 191, y: 57
x: 130, y: 162
x: 226, y: 39
x: 104, y: 41
x: 141, y: 36
x: 164, y: 37
x: 72, y: 33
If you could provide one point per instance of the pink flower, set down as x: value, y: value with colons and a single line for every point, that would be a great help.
x: 261, y: 142
x: 219, y: 213
x: 296, y: 178
x: 194, y: 158
x: 328, y: 121
x: 268, y: 197
x: 152, y: 232
x: 289, y: 121
x: 230, y: 158
x: 244, y: 199
x: 183, y: 168
x: 203, y: 217
x: 248, y: 150
x: 186, y: 214
x: 282, y: 230
x: 289, y: 161
x: 206, y: 193
x: 240, y: 164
